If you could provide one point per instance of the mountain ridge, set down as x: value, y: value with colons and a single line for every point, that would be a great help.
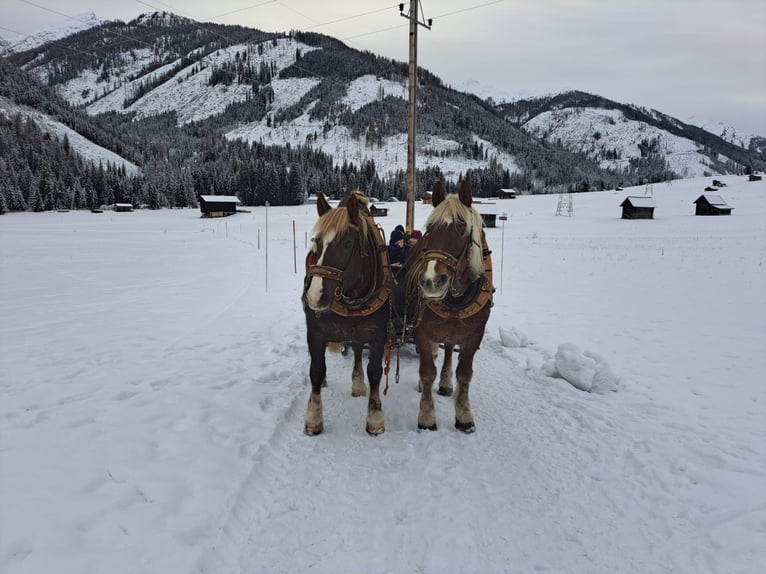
x: 246, y: 87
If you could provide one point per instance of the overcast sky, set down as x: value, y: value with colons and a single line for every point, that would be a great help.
x: 697, y: 60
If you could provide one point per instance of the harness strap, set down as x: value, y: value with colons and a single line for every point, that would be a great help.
x: 479, y: 301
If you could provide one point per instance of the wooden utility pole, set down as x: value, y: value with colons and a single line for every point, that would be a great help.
x: 412, y: 107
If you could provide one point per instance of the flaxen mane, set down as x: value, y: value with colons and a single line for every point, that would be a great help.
x: 452, y: 210
x: 336, y: 221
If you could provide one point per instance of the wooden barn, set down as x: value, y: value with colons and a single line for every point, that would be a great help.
x: 376, y: 211
x: 638, y: 207
x: 123, y: 207
x: 218, y: 205
x: 426, y: 197
x: 504, y: 193
x: 708, y: 204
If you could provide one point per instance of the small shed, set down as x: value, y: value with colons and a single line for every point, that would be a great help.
x: 504, y: 193
x: 123, y: 207
x: 488, y: 212
x: 638, y: 207
x: 426, y: 197
x: 218, y: 205
x: 376, y: 211
x: 708, y: 204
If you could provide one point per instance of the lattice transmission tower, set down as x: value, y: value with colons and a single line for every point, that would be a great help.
x: 565, y: 205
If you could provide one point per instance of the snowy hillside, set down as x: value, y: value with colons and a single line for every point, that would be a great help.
x: 738, y: 137
x: 389, y: 156
x: 153, y: 381
x: 187, y: 92
x: 60, y: 30
x: 595, y: 131
x: 90, y: 151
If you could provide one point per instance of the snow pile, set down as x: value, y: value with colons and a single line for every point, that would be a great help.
x: 586, y: 371
x: 512, y: 338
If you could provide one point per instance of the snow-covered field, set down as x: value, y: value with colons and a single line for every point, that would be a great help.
x: 153, y: 380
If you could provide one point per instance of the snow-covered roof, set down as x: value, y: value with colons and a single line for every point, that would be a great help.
x: 639, y: 201
x: 220, y: 198
x: 712, y: 199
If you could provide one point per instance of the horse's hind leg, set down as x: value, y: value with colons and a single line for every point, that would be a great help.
x: 375, y: 420
x: 427, y: 413
x: 358, y: 388
x: 445, y: 375
x: 313, y: 422
x: 463, y: 415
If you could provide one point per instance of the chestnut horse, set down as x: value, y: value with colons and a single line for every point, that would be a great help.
x: 449, y: 288
x: 346, y: 299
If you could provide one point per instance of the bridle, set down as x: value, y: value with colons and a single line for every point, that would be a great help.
x: 380, y: 284
x: 461, y: 299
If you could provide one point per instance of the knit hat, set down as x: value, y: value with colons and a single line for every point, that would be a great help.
x: 399, y: 228
x: 415, y: 234
x: 396, y: 235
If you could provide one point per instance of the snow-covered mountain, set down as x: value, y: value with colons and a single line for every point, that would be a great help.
x: 163, y: 87
x: 617, y: 134
x: 60, y: 30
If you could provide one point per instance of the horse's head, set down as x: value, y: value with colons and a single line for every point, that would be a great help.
x: 449, y: 257
x: 337, y: 266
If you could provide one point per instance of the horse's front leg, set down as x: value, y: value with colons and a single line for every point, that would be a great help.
x: 427, y: 413
x: 464, y: 373
x: 313, y: 423
x: 358, y: 388
x: 375, y: 420
x: 445, y: 375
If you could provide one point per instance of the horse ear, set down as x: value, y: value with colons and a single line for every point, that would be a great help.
x: 437, y: 193
x: 464, y: 193
x: 322, y: 205
x: 352, y: 205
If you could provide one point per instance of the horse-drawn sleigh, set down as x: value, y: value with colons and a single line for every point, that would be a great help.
x: 349, y: 292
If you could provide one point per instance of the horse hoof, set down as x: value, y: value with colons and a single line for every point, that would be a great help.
x: 427, y: 427
x: 444, y: 391
x: 465, y: 427
x: 359, y: 393
x: 375, y: 431
x: 313, y: 429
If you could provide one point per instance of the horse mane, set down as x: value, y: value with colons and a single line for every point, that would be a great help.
x: 336, y: 221
x: 452, y: 210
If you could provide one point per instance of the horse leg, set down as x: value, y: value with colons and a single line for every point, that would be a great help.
x: 313, y: 423
x: 375, y: 422
x: 445, y: 375
x: 463, y: 415
x: 427, y: 413
x: 358, y: 388
x: 434, y: 354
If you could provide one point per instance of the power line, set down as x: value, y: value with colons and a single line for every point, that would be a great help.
x: 240, y: 10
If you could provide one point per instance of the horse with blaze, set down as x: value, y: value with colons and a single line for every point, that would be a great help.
x: 449, y: 289
x: 346, y: 299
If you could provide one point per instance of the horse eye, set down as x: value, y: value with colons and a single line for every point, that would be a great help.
x: 348, y: 244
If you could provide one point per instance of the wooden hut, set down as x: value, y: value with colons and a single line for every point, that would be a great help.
x: 708, y: 204
x: 638, y: 207
x: 218, y: 205
x: 504, y: 193
x: 376, y: 211
x: 123, y: 207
